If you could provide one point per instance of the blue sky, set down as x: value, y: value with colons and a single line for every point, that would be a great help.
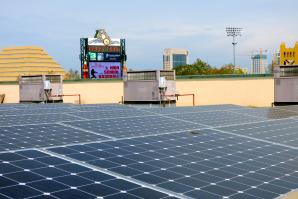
x: 151, y: 26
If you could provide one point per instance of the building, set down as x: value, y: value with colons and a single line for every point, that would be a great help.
x: 288, y: 56
x: 276, y: 59
x: 174, y: 57
x: 26, y: 60
x: 259, y: 63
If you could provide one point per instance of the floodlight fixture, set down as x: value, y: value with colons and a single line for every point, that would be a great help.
x: 234, y: 32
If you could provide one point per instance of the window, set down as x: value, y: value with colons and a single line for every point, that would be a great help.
x: 179, y: 59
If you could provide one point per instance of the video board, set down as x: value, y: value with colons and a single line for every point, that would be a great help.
x: 103, y: 70
x: 101, y: 61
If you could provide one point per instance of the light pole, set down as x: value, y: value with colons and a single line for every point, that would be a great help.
x: 233, y: 32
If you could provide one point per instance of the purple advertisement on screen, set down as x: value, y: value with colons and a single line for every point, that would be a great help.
x: 100, y: 70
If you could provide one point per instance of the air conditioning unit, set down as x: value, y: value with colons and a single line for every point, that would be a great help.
x: 40, y: 88
x: 150, y: 86
x: 286, y: 85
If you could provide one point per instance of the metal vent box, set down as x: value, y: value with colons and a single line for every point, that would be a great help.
x: 143, y: 86
x: 32, y: 88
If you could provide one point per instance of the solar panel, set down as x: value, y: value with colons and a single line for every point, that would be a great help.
x: 202, y: 164
x: 118, y: 151
x: 135, y: 126
x: 35, y: 119
x: 190, y: 109
x: 216, y: 118
x: 35, y: 136
x: 35, y: 111
x: 32, y: 173
x: 102, y: 114
x: 101, y: 107
x: 283, y: 131
x: 268, y: 113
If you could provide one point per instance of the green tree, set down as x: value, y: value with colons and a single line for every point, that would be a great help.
x: 72, y: 75
x: 199, y: 67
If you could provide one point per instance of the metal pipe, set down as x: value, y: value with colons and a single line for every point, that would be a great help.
x: 177, y: 95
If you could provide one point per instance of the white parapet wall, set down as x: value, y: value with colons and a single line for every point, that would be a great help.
x: 258, y: 92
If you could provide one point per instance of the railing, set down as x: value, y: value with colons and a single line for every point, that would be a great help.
x: 68, y: 96
x: 179, y: 95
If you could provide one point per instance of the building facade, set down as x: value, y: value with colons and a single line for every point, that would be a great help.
x: 259, y: 63
x: 288, y: 56
x: 26, y: 60
x: 276, y: 59
x: 173, y: 57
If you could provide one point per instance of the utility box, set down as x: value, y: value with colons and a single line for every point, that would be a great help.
x: 40, y: 88
x: 150, y: 86
x: 286, y: 85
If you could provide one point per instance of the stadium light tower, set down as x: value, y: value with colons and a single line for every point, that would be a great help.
x: 233, y: 32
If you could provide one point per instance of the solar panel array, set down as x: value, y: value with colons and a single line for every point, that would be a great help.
x: 118, y: 151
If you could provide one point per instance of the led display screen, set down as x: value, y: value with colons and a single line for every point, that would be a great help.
x: 101, y: 70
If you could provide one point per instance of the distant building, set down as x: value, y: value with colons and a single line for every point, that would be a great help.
x: 276, y: 59
x: 26, y: 60
x: 259, y: 63
x: 288, y: 56
x: 173, y: 57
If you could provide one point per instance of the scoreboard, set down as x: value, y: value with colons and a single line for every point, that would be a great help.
x: 100, y: 61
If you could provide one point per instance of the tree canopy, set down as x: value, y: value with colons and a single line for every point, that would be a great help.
x: 199, y: 67
x: 72, y: 75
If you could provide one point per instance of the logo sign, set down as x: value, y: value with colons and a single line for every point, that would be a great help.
x: 101, y: 70
x: 112, y: 57
x: 104, y: 49
x: 92, y: 56
x: 98, y: 42
x: 109, y: 57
